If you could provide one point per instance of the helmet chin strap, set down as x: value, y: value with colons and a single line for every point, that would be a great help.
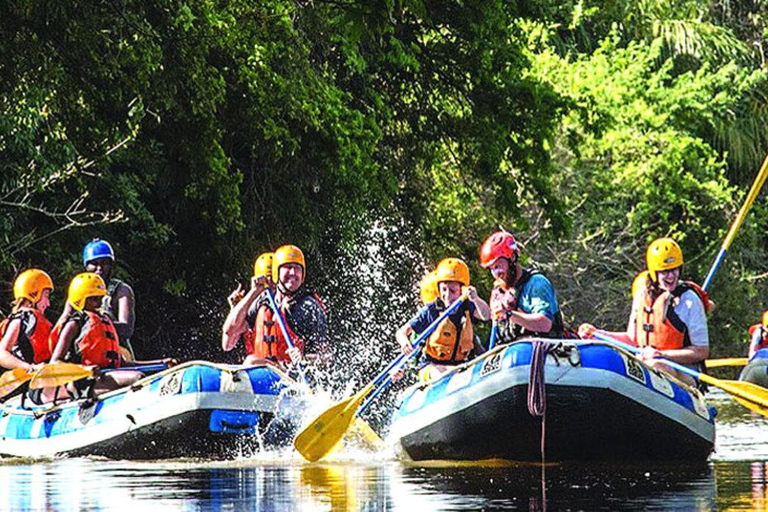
x: 284, y: 291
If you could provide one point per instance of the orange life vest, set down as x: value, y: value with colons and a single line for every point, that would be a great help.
x: 446, y: 344
x: 98, y: 343
x: 656, y: 323
x: 266, y: 341
x: 34, y: 348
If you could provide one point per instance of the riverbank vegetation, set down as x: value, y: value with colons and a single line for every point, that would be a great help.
x: 381, y: 136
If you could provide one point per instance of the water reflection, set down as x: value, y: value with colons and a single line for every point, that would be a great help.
x: 79, y: 484
x: 734, y: 480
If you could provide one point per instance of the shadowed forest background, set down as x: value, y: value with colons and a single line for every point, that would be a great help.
x: 381, y: 136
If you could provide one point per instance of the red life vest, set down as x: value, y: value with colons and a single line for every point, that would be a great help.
x: 446, y: 344
x: 763, y: 336
x: 35, y: 347
x: 656, y: 323
x: 97, y: 343
x: 266, y: 341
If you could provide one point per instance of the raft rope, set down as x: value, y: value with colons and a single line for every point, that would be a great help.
x: 537, y: 395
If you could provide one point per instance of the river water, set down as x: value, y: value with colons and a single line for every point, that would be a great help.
x: 733, y: 479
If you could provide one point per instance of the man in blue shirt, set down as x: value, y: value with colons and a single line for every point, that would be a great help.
x: 523, y: 301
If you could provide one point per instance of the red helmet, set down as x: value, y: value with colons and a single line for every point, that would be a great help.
x: 499, y: 245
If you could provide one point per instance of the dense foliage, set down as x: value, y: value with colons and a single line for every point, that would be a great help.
x: 379, y: 136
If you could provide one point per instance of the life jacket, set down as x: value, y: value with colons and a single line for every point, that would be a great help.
x: 97, y: 344
x: 449, y: 343
x: 515, y: 331
x: 763, y: 335
x: 656, y: 323
x: 34, y: 346
x: 266, y: 340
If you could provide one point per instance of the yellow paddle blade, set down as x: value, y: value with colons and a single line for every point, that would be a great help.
x: 12, y: 379
x: 728, y: 361
x: 58, y: 374
x: 364, y: 435
x: 749, y: 395
x: 319, y: 437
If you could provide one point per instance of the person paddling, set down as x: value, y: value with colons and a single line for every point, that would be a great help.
x: 668, y: 317
x: 261, y: 280
x: 88, y: 336
x: 118, y: 302
x: 523, y: 301
x: 453, y: 341
x: 24, y: 341
x: 305, y: 317
x: 758, y: 335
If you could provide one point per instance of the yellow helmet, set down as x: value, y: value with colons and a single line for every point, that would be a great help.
x: 30, y: 285
x: 765, y: 319
x: 83, y: 286
x: 263, y: 265
x: 287, y: 254
x: 452, y: 269
x: 428, y: 288
x: 641, y: 281
x: 663, y: 254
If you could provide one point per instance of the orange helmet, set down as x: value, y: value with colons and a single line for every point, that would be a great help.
x: 287, y: 254
x: 428, y: 288
x: 30, y: 285
x: 263, y: 265
x: 499, y: 245
x: 641, y: 281
x: 452, y: 269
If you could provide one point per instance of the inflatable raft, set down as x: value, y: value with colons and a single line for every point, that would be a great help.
x: 194, y: 409
x: 756, y: 370
x: 601, y: 404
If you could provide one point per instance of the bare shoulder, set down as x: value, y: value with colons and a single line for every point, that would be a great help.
x: 124, y: 290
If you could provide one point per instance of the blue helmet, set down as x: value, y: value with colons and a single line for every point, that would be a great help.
x: 97, y: 249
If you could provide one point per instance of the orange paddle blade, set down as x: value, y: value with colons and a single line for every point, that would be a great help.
x: 12, y: 379
x: 57, y: 374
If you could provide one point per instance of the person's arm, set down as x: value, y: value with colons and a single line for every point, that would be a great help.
x: 64, y: 344
x: 536, y: 322
x: 757, y: 338
x: 235, y: 323
x: 403, y: 338
x: 691, y: 312
x: 482, y: 310
x: 7, y: 359
x: 125, y: 312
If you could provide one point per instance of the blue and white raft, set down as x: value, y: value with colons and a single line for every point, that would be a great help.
x: 601, y: 404
x: 194, y: 409
x: 756, y: 370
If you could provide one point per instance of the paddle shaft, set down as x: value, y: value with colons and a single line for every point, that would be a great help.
x: 141, y: 368
x: 751, y: 196
x: 383, y: 379
x: 619, y: 344
x: 494, y: 328
x: 284, y: 330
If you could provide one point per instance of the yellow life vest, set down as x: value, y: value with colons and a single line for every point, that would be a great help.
x: 447, y: 345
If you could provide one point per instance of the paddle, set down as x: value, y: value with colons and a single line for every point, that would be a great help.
x: 318, y: 438
x: 751, y: 196
x: 58, y: 374
x: 365, y: 430
x: 12, y: 379
x: 728, y: 361
x: 284, y: 330
x: 494, y: 328
x: 749, y: 395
